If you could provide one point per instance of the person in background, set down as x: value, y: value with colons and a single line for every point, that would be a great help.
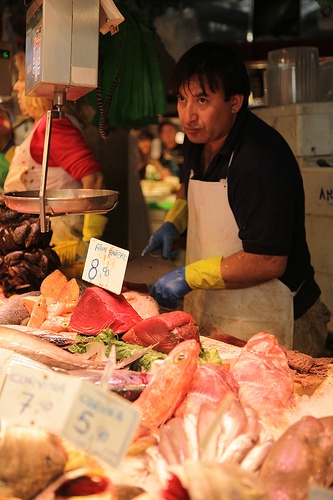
x: 7, y: 144
x: 149, y: 167
x: 248, y: 266
x: 172, y: 152
x: 70, y: 164
x: 144, y: 140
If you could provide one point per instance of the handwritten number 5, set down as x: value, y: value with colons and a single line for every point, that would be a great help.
x: 83, y: 423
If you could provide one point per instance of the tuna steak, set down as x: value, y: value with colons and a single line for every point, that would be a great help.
x: 164, y: 331
x: 99, y: 309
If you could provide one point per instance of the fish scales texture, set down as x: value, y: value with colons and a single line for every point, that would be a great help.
x: 209, y: 388
x: 29, y: 460
x: 266, y: 382
x: 210, y: 383
x: 169, y: 385
x: 99, y: 309
x: 42, y: 351
x: 165, y: 330
x: 302, y: 457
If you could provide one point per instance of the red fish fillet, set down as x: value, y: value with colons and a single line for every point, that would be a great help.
x: 99, y: 309
x: 166, y: 330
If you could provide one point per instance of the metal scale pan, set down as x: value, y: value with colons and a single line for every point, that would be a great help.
x: 63, y: 201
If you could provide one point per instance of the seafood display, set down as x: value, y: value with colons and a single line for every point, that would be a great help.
x: 208, y: 428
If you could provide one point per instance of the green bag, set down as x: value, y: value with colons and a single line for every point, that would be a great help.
x: 131, y: 92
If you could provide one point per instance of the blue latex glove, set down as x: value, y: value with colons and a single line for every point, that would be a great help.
x: 170, y: 288
x: 163, y: 237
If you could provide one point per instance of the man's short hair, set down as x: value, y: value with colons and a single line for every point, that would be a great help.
x: 214, y: 64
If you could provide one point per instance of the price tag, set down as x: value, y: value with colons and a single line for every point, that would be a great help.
x: 105, y: 265
x: 101, y: 423
x: 37, y: 397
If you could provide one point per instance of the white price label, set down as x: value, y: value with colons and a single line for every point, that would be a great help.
x: 105, y: 265
x: 37, y: 397
x: 101, y: 423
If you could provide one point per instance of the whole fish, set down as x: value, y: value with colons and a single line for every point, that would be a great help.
x: 169, y: 385
x: 299, y: 459
x: 60, y: 339
x: 209, y: 388
x: 42, y: 351
x: 30, y: 458
x: 125, y: 383
x: 266, y: 383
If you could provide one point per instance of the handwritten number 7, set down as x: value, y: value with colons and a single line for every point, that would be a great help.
x: 28, y: 400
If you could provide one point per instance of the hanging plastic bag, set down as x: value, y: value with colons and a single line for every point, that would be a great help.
x: 131, y: 92
x: 179, y: 30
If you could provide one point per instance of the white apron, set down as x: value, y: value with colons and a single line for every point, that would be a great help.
x: 212, y: 231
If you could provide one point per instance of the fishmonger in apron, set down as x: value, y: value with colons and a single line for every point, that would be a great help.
x: 242, y: 313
